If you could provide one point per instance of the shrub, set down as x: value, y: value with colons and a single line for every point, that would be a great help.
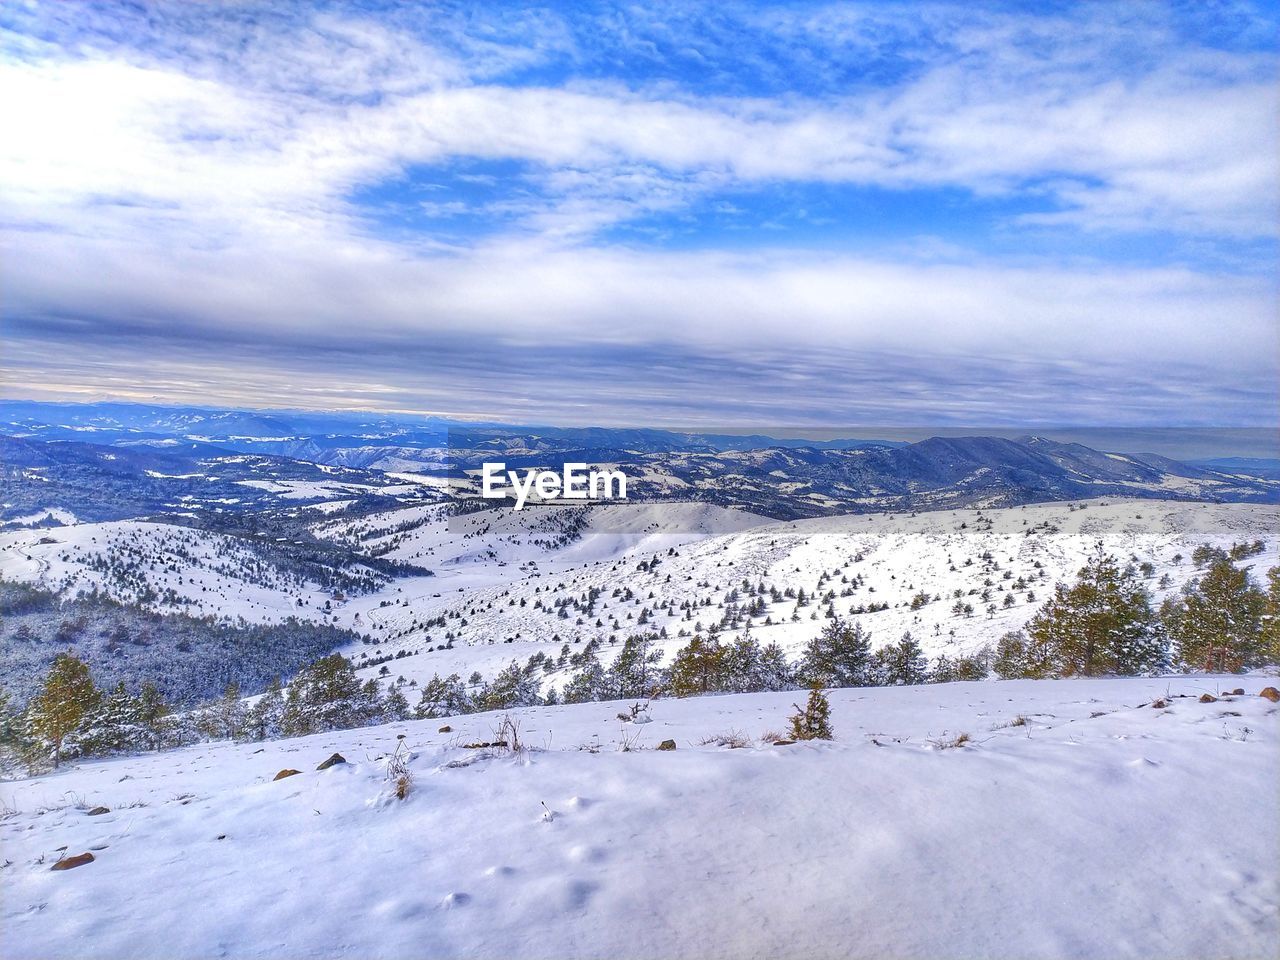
x: 813, y: 722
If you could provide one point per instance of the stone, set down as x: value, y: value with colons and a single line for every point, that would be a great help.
x: 333, y: 761
x: 286, y: 773
x: 1270, y: 693
x: 1208, y: 698
x: 67, y: 863
x: 98, y: 811
x: 1159, y: 704
x: 667, y: 745
x: 1238, y: 692
x: 787, y: 743
x: 446, y: 729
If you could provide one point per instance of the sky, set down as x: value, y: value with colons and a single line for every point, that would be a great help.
x: 703, y: 215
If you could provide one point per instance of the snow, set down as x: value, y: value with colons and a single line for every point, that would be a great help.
x: 487, y: 563
x: 51, y: 515
x: 192, y: 571
x: 1105, y: 827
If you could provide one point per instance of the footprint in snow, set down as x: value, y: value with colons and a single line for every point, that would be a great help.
x: 455, y: 900
x: 578, y: 893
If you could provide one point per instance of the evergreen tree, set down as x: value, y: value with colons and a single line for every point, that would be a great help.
x: 266, y: 716
x: 1270, y: 632
x: 327, y: 695
x: 1216, y: 624
x: 814, y: 721
x: 1103, y: 624
x: 443, y: 698
x: 226, y: 719
x: 113, y: 725
x: 394, y: 705
x: 68, y: 695
x: 840, y: 656
x: 775, y: 672
x: 901, y: 663
x: 588, y: 684
x: 512, y: 687
x: 697, y: 668
x: 1011, y: 661
x: 744, y: 664
x: 634, y: 674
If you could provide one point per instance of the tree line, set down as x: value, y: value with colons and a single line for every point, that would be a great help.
x: 1104, y: 623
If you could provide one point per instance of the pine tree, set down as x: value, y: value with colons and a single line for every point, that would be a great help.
x: 227, y: 718
x: 697, y: 668
x: 512, y: 687
x: 443, y: 698
x: 587, y: 685
x: 901, y: 663
x: 840, y: 656
x: 327, y: 695
x: 68, y: 695
x: 1102, y: 624
x: 152, y: 711
x: 113, y: 725
x: 814, y: 721
x: 394, y: 705
x: 267, y: 714
x: 1217, y: 623
x: 1011, y: 662
x: 634, y: 673
x: 775, y: 672
x: 743, y: 664
x: 1269, y: 637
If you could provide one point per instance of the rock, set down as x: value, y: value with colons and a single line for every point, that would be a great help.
x: 667, y: 745
x: 1208, y: 698
x: 445, y: 729
x: 787, y: 743
x: 1159, y: 704
x: 66, y: 863
x: 1238, y: 692
x: 333, y: 761
x: 1271, y: 693
x: 98, y: 811
x: 285, y: 773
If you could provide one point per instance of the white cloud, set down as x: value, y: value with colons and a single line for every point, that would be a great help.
x: 197, y: 186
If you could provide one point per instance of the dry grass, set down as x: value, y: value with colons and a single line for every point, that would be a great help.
x: 398, y: 772
x: 733, y: 739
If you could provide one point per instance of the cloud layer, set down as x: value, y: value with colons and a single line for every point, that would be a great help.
x: 436, y: 209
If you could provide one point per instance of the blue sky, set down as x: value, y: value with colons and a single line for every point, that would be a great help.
x: 718, y: 215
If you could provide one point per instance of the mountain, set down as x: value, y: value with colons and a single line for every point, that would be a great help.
x: 286, y: 432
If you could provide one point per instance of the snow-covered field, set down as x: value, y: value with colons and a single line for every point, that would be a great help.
x: 1099, y: 826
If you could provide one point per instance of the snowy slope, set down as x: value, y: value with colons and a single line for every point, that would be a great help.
x: 1104, y: 827
x: 509, y: 603
x: 185, y: 570
x: 501, y: 576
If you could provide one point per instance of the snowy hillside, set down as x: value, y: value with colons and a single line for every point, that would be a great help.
x: 507, y: 585
x: 1083, y: 818
x: 876, y: 565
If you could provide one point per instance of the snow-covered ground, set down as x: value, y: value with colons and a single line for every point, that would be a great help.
x: 1080, y: 820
